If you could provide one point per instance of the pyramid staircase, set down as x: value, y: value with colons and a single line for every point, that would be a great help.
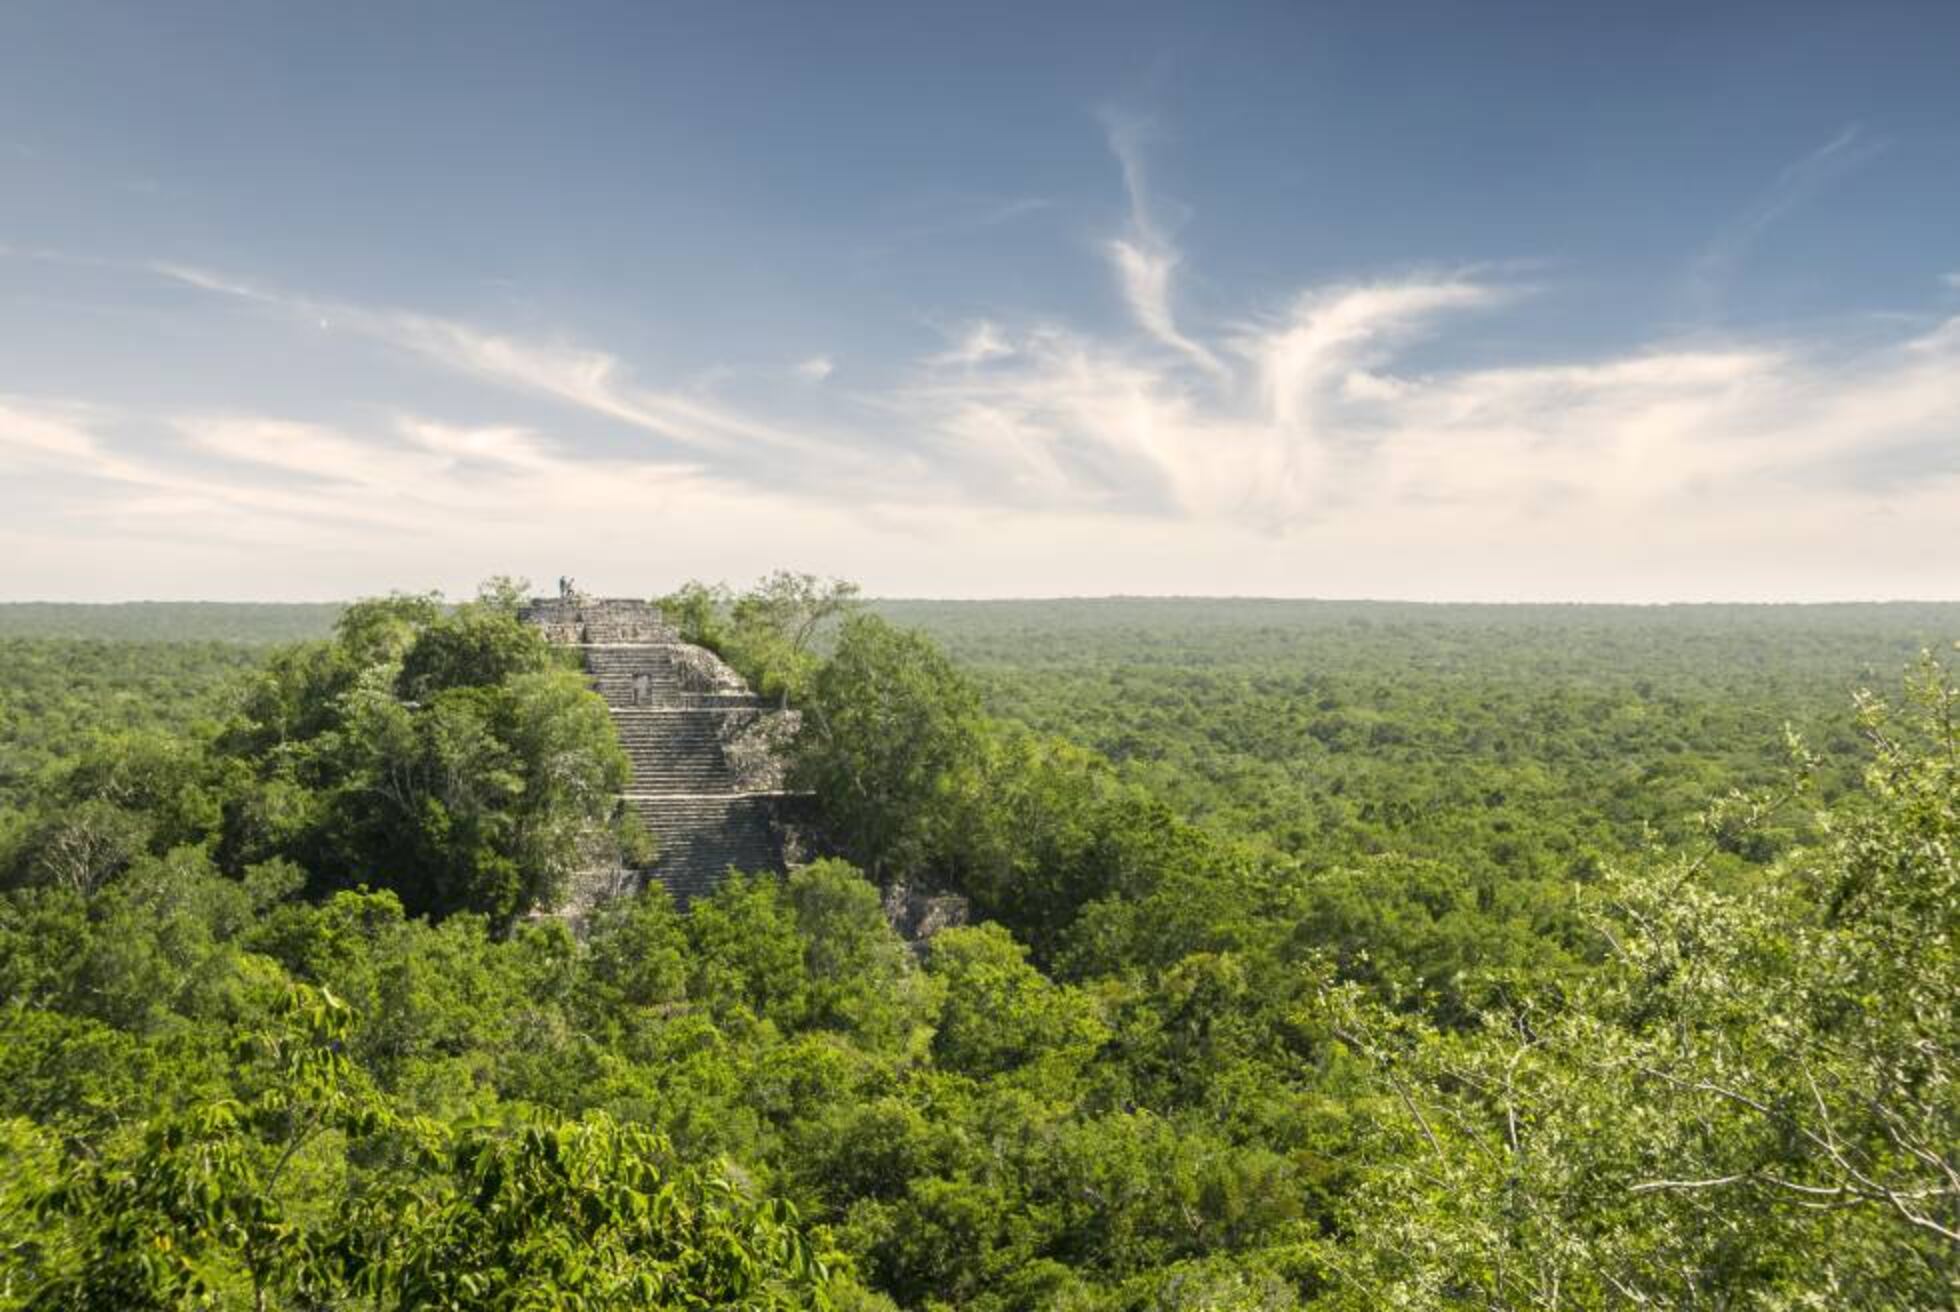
x: 707, y: 776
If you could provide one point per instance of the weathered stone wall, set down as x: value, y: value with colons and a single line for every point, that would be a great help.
x: 701, y: 671
x: 577, y: 620
x: 756, y: 746
x: 918, y: 916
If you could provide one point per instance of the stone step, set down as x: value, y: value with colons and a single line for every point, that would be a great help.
x: 698, y: 784
x: 667, y: 721
x: 686, y: 701
x: 701, y: 838
x: 686, y: 740
x: 695, y: 724
x: 625, y: 655
x: 645, y: 678
x: 679, y: 712
x: 646, y: 681
x: 689, y: 755
x: 704, y: 723
x: 686, y: 748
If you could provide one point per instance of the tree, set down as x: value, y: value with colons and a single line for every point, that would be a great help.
x: 480, y: 645
x: 768, y: 633
x: 636, y: 952
x: 442, y: 756
x: 887, y: 720
x: 773, y: 626
x: 862, y: 978
x: 212, y: 1206
x: 582, y: 1214
x: 198, y: 1210
x: 747, y: 952
x: 84, y: 845
x: 507, y: 593
x: 999, y: 1012
x: 698, y: 611
x: 1756, y: 1093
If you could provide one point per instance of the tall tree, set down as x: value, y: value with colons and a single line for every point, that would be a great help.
x: 769, y: 633
x: 887, y: 720
x: 443, y: 756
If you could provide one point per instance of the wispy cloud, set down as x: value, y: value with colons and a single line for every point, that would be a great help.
x: 69, y: 441
x: 981, y: 342
x: 1309, y: 418
x: 1798, y: 183
x: 34, y: 431
x: 277, y: 480
x: 1327, y: 466
x: 1318, y: 446
x: 206, y: 281
x: 1145, y: 258
x: 589, y: 379
x: 1325, y: 431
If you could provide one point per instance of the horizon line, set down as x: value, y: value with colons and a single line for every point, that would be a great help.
x: 1080, y: 598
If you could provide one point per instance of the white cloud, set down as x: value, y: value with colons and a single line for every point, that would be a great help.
x: 1329, y: 439
x: 243, y: 505
x: 815, y: 369
x: 37, y: 432
x: 1333, y: 334
x: 1316, y: 449
x: 982, y: 341
x: 591, y: 380
x: 1311, y: 436
x: 206, y: 281
x: 1145, y: 259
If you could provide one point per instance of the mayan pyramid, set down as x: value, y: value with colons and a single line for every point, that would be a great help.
x: 707, y: 753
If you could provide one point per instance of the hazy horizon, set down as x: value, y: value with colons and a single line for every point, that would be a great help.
x: 463, y: 594
x: 1428, y: 304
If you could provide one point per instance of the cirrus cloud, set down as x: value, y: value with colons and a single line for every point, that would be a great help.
x: 1318, y: 447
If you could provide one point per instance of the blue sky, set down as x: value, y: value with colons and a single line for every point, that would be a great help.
x: 1494, y: 302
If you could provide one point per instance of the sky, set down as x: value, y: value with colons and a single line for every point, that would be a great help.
x: 1500, y: 302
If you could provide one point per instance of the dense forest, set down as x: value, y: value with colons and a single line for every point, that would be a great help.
x: 1320, y: 955
x: 169, y: 621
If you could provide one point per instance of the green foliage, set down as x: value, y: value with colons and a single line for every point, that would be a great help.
x: 479, y: 647
x: 136, y: 625
x: 58, y: 696
x: 887, y: 721
x: 1515, y: 743
x: 1426, y: 936
x: 1445, y: 999
x: 439, y: 755
x: 863, y: 981
x: 586, y: 1214
x: 1000, y: 1013
x: 638, y: 952
x: 198, y: 1209
x: 216, y: 1205
x: 770, y: 633
x: 747, y: 955
x: 1755, y: 1095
